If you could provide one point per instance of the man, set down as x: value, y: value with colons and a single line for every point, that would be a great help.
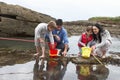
x: 60, y: 37
x: 40, y: 31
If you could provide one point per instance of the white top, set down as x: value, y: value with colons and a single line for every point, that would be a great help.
x: 41, y: 30
x: 105, y: 36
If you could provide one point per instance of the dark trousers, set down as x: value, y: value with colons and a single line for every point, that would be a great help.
x: 61, y: 46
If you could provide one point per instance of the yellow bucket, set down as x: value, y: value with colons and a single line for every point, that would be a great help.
x: 86, y: 52
x: 84, y: 70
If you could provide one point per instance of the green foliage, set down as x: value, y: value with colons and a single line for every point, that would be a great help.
x: 114, y: 19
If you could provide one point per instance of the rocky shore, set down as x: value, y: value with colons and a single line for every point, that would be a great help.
x: 17, y: 21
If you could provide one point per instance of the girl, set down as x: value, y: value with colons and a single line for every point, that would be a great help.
x: 85, y: 39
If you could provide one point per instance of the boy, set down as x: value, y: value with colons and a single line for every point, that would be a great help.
x: 40, y: 31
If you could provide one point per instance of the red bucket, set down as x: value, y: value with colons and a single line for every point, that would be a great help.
x: 52, y: 46
x: 52, y: 64
x: 54, y: 52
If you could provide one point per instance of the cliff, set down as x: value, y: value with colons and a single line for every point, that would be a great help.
x: 19, y: 21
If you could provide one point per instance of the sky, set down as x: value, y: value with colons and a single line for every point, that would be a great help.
x: 72, y: 10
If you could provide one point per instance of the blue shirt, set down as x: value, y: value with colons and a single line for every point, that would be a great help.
x: 62, y: 34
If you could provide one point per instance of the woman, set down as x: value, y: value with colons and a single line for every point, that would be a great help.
x: 101, y: 40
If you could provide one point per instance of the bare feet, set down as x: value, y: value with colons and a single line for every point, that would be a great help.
x: 43, y: 56
x: 36, y: 55
x: 103, y: 56
x: 64, y: 54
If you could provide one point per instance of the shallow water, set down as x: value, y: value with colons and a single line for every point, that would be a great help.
x: 19, y: 45
x: 57, y: 70
x: 32, y: 71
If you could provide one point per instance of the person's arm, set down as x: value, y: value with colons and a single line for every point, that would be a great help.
x: 91, y: 43
x: 66, y: 48
x: 79, y: 41
x: 57, y: 37
x: 51, y: 40
x: 51, y: 37
x: 65, y: 38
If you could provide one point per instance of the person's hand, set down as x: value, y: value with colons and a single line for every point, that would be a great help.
x: 41, y: 40
x: 52, y: 46
x: 93, y: 47
x: 36, y: 55
x: 57, y: 37
x: 64, y: 53
x: 84, y: 45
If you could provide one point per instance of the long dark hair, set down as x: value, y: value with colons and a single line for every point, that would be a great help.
x: 101, y: 30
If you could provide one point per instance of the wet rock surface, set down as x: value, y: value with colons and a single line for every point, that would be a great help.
x: 11, y: 57
x: 77, y: 27
x: 16, y: 20
x: 108, y: 60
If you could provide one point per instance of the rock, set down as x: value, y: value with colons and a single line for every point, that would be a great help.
x: 92, y: 60
x: 77, y: 27
x: 19, y: 21
x: 12, y: 56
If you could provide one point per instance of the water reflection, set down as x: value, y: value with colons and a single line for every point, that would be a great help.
x: 52, y: 69
x: 92, y: 72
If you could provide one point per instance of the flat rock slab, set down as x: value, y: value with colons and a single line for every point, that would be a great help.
x: 92, y: 60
